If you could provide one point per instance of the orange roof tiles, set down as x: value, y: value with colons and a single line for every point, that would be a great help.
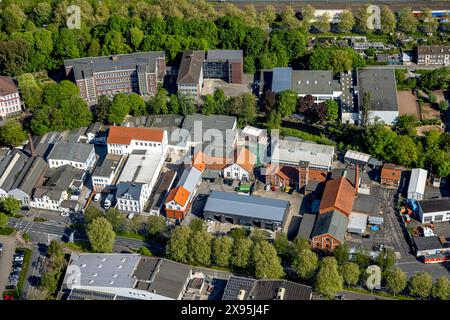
x: 124, y: 135
x: 317, y: 175
x: 211, y: 162
x: 179, y: 194
x: 246, y: 159
x: 339, y: 194
x: 390, y: 172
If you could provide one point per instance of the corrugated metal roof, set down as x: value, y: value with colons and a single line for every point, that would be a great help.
x: 417, y: 181
x: 357, y: 223
x: 246, y: 206
x: 358, y: 156
x: 282, y: 79
x: 70, y: 151
x: 333, y: 223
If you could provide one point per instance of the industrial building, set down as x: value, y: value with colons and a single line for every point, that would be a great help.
x: 246, y: 210
x: 108, y: 75
x: 433, y: 55
x: 417, y: 182
x: 434, y: 210
x: 10, y: 102
x: 77, y: 155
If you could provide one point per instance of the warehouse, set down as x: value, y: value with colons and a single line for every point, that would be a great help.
x: 246, y: 210
x: 416, y: 187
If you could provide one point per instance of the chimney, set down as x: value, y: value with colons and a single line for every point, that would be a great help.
x: 30, y: 140
x: 356, y: 180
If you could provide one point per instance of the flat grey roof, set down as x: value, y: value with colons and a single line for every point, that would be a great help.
x: 281, y: 79
x: 220, y: 55
x: 246, y: 206
x: 428, y: 243
x: 381, y: 85
x: 314, y: 82
x: 435, y: 205
x: 366, y: 204
x: 71, y: 151
x: 107, y: 166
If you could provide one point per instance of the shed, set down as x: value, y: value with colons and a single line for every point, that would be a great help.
x: 416, y: 187
x: 375, y: 220
x: 357, y: 223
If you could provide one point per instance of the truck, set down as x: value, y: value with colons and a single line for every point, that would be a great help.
x: 108, y: 201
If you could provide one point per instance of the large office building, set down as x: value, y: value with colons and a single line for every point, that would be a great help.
x: 247, y: 210
x: 108, y: 75
x: 379, y: 85
x: 10, y: 103
x: 433, y: 55
x: 198, y: 65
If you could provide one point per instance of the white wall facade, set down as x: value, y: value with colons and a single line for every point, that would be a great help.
x: 10, y: 104
x: 438, y: 216
x: 48, y: 204
x: 89, y: 163
x: 235, y: 171
x: 126, y: 149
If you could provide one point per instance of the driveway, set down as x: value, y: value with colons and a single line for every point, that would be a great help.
x: 6, y: 257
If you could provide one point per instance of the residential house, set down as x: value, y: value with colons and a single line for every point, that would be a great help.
x: 137, y: 72
x: 125, y: 140
x: 242, y: 168
x: 179, y: 199
x: 380, y: 86
x: 10, y: 102
x: 433, y: 55
x: 78, y: 155
x: 61, y: 183
x: 390, y: 176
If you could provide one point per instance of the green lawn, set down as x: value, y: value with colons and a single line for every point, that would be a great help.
x: 307, y: 136
x: 6, y: 231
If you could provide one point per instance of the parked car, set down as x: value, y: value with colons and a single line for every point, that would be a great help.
x: 108, y: 201
x: 17, y: 264
x: 17, y: 269
x: 97, y: 197
x: 1, y: 247
x: 18, y: 258
x: 228, y: 182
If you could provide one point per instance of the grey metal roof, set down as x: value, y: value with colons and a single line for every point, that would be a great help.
x: 128, y: 190
x: 107, y: 166
x: 381, y: 85
x: 227, y: 55
x: 246, y: 206
x: 161, y: 276
x: 59, y: 180
x: 434, y: 205
x: 366, y: 204
x: 11, y: 167
x: 333, y: 223
x: 85, y: 67
x: 31, y: 174
x: 190, y: 178
x: 427, y: 243
x: 94, y: 128
x: 314, y: 82
x: 226, y: 124
x: 78, y: 152
x: 102, y: 270
x: 281, y: 79
x: 307, y: 226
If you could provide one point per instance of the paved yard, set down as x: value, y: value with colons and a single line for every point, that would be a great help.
x: 9, y: 247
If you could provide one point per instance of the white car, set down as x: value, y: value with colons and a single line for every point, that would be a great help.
x: 97, y: 197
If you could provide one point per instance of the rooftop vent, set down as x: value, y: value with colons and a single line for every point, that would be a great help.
x: 241, y: 295
x: 123, y: 259
x: 83, y: 265
x: 115, y: 275
x: 99, y: 266
x: 103, y: 259
x: 111, y: 282
x: 91, y: 281
x: 94, y: 274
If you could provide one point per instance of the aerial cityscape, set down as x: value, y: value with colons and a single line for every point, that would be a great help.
x: 237, y: 150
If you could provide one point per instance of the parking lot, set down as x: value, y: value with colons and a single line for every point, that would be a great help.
x: 6, y: 257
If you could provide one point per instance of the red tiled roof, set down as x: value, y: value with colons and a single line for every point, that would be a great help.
x: 124, y: 135
x: 7, y: 86
x: 339, y: 194
x: 246, y: 159
x: 390, y: 172
x: 179, y: 194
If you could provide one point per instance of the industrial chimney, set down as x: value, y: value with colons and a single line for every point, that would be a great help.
x: 30, y: 141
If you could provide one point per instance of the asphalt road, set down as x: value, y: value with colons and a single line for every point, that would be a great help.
x: 58, y: 231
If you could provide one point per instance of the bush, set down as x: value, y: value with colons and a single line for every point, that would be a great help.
x: 307, y: 136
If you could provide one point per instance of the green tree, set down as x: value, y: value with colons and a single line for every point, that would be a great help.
x: 361, y: 18
x: 116, y: 218
x: 407, y: 124
x: 220, y: 100
x: 14, y: 57
x: 328, y: 279
x: 41, y: 13
x: 340, y: 61
x: 282, y: 244
x: 443, y: 105
x: 13, y: 18
x: 55, y: 249
x: 208, y: 107
x: 238, y: 232
x: 346, y: 21
x: 420, y: 285
x: 12, y: 134
x: 407, y: 22
x: 388, y: 20
x: 94, y: 48
x: 10, y: 206
x: 341, y: 253
x: 30, y: 91
x: 156, y: 226
x: 137, y: 104
x: 199, y: 248
x: 91, y: 214
x: 177, y: 247
x: 274, y: 121
x: 136, y: 37
x: 406, y: 144
x: 66, y: 46
x: 114, y: 43
x: 323, y: 23
x: 197, y: 225
x: 241, y: 252
x: 159, y: 103
x: 3, y: 220
x: 101, y: 235
x: 441, y: 288
x: 395, y: 281
x: 244, y: 108
x: 381, y: 142
x: 308, y: 14
x: 305, y: 263
x: 101, y: 110
x: 386, y: 259
x: 259, y: 235
x: 350, y: 273
x: 265, y: 261
x: 332, y: 110
x: 75, y: 113
x: 221, y: 251
x: 287, y: 103
x: 119, y: 109
x: 174, y: 104
x: 145, y: 251
x: 430, y: 24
